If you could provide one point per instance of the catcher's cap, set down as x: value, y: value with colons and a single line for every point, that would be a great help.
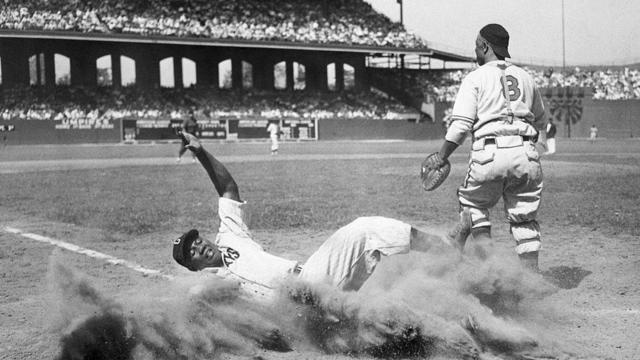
x: 182, y: 248
x: 498, y: 37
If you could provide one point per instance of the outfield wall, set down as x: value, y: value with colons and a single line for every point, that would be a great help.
x: 363, y: 129
x: 614, y: 119
x: 29, y: 132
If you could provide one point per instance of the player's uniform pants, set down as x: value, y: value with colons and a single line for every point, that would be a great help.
x: 506, y: 167
x: 347, y: 258
x: 274, y: 143
x: 551, y: 145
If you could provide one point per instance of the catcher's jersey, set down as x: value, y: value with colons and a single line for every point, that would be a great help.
x: 482, y: 108
x: 241, y: 255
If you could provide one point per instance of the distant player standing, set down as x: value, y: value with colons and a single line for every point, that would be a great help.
x: 499, y: 104
x: 551, y: 138
x: 593, y: 133
x: 274, y: 133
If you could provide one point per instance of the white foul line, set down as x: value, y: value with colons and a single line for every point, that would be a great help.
x: 91, y: 253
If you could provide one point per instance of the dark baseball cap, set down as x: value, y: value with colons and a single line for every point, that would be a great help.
x: 182, y: 248
x: 498, y: 37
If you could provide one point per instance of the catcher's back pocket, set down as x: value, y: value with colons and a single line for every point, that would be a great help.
x: 482, y: 164
x: 482, y: 157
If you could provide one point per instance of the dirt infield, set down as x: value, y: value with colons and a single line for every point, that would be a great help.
x: 589, y: 220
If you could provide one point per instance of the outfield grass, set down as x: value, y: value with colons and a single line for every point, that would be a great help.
x: 309, y: 194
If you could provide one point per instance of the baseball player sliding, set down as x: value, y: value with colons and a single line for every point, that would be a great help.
x: 345, y: 260
x: 500, y: 106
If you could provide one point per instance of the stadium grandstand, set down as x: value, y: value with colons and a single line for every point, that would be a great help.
x: 101, y: 64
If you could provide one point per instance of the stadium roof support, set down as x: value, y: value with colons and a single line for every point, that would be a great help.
x: 283, y: 45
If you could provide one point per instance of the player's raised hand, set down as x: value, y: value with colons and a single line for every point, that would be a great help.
x: 191, y: 142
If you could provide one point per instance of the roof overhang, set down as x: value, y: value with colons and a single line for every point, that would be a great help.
x: 194, y: 41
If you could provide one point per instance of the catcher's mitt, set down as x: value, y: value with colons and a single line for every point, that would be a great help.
x: 434, y: 171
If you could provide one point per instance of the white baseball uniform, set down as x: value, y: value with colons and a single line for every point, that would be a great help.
x: 345, y: 260
x: 500, y: 105
x: 273, y: 129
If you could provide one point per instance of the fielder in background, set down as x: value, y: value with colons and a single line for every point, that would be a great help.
x: 551, y: 138
x: 274, y: 133
x: 345, y: 260
x: 189, y: 126
x: 593, y: 133
x: 500, y: 106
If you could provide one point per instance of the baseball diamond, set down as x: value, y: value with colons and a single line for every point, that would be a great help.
x: 235, y: 180
x: 578, y: 320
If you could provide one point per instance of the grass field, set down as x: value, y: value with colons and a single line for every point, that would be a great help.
x: 131, y: 200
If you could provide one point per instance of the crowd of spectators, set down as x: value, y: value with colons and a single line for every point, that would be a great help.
x: 608, y: 84
x: 72, y: 103
x: 346, y: 22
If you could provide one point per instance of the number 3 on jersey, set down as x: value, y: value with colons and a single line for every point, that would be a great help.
x: 512, y: 88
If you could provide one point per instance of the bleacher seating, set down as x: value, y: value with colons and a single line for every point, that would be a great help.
x: 345, y: 22
x: 97, y: 103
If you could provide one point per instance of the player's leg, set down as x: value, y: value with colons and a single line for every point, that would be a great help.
x: 480, y: 191
x: 521, y: 203
x: 349, y: 256
x: 551, y: 144
x: 475, y: 201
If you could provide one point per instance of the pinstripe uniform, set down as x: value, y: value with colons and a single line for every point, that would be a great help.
x: 498, y: 103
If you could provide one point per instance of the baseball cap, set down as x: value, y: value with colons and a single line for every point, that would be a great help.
x: 182, y: 247
x: 498, y: 37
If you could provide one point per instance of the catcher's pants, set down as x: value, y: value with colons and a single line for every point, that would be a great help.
x: 507, y: 167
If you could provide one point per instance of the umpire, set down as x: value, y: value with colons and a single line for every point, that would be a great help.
x: 499, y: 104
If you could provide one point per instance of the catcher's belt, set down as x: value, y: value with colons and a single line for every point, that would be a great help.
x: 505, y: 141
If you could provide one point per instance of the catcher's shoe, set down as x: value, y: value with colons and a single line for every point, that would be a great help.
x: 459, y: 234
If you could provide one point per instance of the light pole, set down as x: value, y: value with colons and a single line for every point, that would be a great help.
x: 401, y: 15
x: 563, y: 41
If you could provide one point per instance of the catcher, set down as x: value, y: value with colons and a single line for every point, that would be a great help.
x: 499, y: 104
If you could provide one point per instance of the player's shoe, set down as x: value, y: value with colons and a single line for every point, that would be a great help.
x: 459, y: 234
x: 178, y: 160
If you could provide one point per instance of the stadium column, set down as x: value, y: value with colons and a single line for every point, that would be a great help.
x: 147, y: 68
x: 339, y: 75
x: 177, y: 72
x: 49, y: 69
x: 206, y: 72
x: 15, y: 63
x: 116, y: 71
x: 81, y: 63
x: 289, y: 71
x: 360, y: 74
x: 236, y: 72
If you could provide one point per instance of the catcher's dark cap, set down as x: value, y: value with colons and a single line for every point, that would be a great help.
x: 182, y: 248
x: 498, y: 37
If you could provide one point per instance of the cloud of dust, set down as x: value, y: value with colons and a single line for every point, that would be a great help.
x: 413, y: 305
x: 163, y: 321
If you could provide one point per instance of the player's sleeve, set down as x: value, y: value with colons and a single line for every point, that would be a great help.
x: 537, y: 108
x: 464, y: 112
x: 234, y: 218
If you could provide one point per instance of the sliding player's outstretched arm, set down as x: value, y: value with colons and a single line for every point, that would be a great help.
x: 220, y: 177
